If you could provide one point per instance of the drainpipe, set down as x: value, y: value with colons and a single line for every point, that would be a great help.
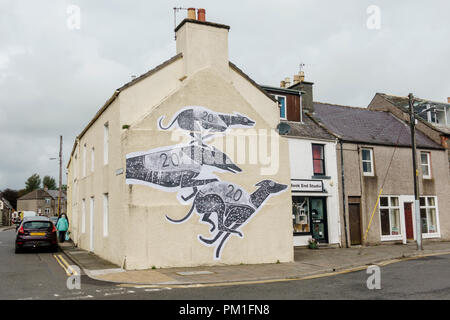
x: 343, y: 193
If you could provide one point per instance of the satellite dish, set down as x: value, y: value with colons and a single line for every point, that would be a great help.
x: 283, y: 128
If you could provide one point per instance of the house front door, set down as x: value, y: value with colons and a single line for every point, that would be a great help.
x: 409, y: 221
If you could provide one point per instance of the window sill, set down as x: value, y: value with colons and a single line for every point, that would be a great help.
x: 369, y: 175
x: 391, y: 238
x: 431, y: 235
x: 321, y: 177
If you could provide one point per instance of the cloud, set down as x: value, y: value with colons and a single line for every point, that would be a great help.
x: 53, y: 79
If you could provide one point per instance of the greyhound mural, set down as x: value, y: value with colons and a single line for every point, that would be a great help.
x: 232, y: 206
x: 225, y: 206
x: 197, y: 118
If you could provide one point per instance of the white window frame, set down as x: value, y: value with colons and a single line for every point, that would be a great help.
x: 285, y: 105
x: 48, y: 201
x: 91, y: 223
x: 371, y: 173
x: 106, y: 143
x: 83, y: 216
x: 105, y: 214
x: 84, y: 159
x: 47, y: 211
x: 401, y: 235
x: 75, y: 169
x: 428, y: 164
x: 436, y: 234
x: 92, y: 159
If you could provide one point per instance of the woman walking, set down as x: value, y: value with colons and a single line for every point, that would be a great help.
x: 62, y: 225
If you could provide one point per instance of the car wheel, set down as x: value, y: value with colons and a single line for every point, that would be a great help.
x: 18, y: 250
x: 54, y: 249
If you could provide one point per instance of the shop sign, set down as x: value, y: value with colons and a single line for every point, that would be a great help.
x: 307, y: 185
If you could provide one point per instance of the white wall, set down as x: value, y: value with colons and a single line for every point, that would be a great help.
x: 300, y: 157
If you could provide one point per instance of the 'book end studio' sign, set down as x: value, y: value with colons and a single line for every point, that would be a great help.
x: 307, y: 185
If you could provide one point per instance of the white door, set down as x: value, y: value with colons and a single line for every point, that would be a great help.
x: 91, y: 225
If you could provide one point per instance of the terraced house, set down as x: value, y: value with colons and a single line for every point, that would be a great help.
x: 166, y: 174
x: 377, y: 160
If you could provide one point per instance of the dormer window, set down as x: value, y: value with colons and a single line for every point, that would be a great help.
x: 282, y: 105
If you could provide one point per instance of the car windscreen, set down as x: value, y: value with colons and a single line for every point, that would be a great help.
x: 37, y: 225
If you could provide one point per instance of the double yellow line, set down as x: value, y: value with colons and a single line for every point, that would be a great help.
x: 65, y: 265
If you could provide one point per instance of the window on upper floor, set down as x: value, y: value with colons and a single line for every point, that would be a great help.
x: 318, y: 153
x: 84, y: 159
x: 47, y: 200
x: 425, y: 164
x: 92, y: 159
x: 282, y: 102
x: 105, y: 143
x: 367, y: 161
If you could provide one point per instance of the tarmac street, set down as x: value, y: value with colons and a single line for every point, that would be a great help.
x: 43, y: 275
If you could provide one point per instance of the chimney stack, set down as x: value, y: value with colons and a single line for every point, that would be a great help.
x: 201, y: 14
x: 191, y: 14
x: 202, y: 43
x: 282, y: 84
x: 287, y: 80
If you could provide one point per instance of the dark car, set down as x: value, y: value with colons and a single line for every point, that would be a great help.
x: 36, y: 232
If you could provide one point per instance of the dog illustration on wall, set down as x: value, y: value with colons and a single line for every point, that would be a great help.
x: 231, y: 206
x: 196, y: 118
x: 177, y: 167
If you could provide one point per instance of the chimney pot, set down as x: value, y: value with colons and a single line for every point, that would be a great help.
x: 282, y: 84
x: 201, y: 14
x: 302, y: 76
x: 191, y: 13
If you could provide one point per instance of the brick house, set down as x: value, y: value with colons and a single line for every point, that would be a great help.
x: 43, y: 202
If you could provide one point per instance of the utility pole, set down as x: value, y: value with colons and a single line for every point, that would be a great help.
x: 60, y: 175
x: 412, y: 120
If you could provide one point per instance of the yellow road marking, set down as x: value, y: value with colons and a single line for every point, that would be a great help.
x: 62, y: 265
x: 65, y: 265
x: 68, y: 266
x: 249, y: 282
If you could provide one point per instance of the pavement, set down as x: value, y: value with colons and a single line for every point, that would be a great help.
x: 3, y: 228
x: 308, y: 264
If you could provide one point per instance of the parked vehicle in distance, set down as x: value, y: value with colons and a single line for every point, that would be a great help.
x: 29, y: 214
x: 54, y: 220
x: 36, y: 232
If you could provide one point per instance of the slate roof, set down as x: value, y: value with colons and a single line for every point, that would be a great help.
x: 420, y: 104
x: 55, y: 193
x: 6, y: 202
x: 41, y: 194
x: 361, y: 125
x: 308, y: 129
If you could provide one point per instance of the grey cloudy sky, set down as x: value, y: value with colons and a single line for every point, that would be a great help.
x: 53, y: 79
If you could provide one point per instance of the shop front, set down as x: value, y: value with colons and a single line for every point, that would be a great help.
x: 310, y: 218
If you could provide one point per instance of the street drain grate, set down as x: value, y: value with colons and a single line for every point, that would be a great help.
x: 193, y: 273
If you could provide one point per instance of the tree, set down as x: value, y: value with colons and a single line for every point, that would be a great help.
x: 32, y: 183
x: 49, y: 182
x: 11, y: 195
